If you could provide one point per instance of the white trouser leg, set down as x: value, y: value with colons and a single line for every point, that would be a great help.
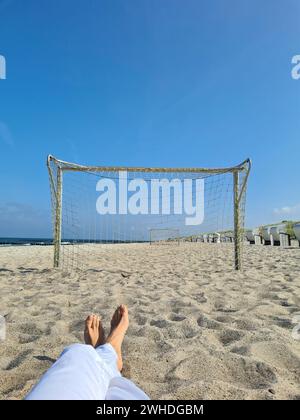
x: 119, y: 388
x: 80, y: 373
x: 123, y: 389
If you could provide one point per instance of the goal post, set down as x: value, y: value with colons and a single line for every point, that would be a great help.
x: 158, y: 199
x: 58, y: 217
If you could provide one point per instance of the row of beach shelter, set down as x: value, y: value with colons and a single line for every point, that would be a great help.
x: 273, y: 235
x: 267, y: 235
x: 215, y: 237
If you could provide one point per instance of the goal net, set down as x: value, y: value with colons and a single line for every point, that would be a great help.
x: 94, y: 207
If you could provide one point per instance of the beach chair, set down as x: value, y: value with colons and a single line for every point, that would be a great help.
x: 296, y: 229
x: 257, y: 236
x: 222, y: 238
x: 250, y: 236
x: 274, y: 235
x: 265, y: 233
x: 280, y: 236
x: 229, y: 237
x: 217, y: 237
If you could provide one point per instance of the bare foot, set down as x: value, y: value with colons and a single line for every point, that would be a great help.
x: 119, y: 325
x: 93, y: 332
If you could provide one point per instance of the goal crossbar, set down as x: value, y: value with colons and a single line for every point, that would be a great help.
x: 69, y: 166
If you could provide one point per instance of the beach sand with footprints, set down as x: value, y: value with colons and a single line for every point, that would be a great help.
x: 198, y: 329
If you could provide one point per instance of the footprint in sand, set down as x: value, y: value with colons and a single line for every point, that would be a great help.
x: 159, y: 323
x: 230, y: 336
x: 210, y: 324
x: 27, y: 338
x: 140, y: 320
x: 177, y: 317
x: 260, y: 375
x: 224, y: 319
x: 31, y: 328
x: 200, y: 298
x: 285, y: 303
x: 283, y: 322
x: 223, y: 308
x: 242, y: 350
x: 246, y: 325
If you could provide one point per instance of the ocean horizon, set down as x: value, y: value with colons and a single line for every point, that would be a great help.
x: 8, y: 241
x: 49, y: 241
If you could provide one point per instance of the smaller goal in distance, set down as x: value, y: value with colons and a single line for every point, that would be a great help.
x: 164, y: 236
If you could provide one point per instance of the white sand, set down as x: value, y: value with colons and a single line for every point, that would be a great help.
x: 198, y: 329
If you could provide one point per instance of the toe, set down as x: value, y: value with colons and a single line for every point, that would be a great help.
x: 120, y: 312
x: 124, y: 310
x: 97, y: 322
x: 115, y: 317
x: 94, y: 322
x: 88, y: 321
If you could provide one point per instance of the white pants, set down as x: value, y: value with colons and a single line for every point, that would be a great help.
x: 84, y: 373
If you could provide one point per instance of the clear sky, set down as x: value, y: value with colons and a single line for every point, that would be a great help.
x: 148, y: 83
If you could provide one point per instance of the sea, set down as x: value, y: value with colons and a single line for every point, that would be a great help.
x: 25, y: 241
x: 49, y: 241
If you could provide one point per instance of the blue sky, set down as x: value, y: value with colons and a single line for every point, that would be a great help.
x: 148, y: 83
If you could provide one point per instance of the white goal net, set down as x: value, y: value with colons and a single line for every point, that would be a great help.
x: 94, y: 206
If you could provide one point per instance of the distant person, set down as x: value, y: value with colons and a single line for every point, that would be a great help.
x: 91, y: 371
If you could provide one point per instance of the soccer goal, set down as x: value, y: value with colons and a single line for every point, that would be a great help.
x: 164, y: 236
x: 95, y: 206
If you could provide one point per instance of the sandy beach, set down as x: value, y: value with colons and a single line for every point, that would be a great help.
x: 198, y: 330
